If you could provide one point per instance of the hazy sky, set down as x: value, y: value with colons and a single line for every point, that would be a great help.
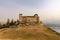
x: 47, y: 9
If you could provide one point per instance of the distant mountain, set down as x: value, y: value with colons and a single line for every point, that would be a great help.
x: 52, y: 23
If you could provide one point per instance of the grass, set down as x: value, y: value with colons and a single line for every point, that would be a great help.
x: 29, y: 33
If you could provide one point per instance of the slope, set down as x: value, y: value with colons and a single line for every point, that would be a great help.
x: 37, y: 32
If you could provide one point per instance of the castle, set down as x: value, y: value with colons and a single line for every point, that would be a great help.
x: 29, y: 20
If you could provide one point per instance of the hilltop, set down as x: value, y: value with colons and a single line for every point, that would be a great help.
x: 36, y: 32
x: 27, y: 28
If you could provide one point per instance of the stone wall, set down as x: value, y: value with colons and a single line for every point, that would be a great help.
x: 28, y: 19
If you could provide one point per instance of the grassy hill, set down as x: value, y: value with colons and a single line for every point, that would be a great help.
x: 37, y: 32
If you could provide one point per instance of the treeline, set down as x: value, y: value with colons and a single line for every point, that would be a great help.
x: 9, y: 24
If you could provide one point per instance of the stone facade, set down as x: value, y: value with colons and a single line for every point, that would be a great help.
x: 29, y: 19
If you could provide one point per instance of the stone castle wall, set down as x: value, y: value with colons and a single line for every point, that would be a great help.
x: 28, y: 19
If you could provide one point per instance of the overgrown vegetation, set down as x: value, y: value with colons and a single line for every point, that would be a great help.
x: 9, y: 24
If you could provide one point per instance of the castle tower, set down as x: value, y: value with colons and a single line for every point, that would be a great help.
x: 36, y: 15
x: 20, y: 17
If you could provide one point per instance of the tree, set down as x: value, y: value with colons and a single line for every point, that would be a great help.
x: 18, y: 22
x: 12, y: 22
x: 8, y: 23
x: 0, y: 26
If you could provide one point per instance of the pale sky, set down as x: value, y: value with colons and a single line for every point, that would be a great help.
x: 46, y: 9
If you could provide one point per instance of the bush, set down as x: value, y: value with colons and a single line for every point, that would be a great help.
x: 9, y: 24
